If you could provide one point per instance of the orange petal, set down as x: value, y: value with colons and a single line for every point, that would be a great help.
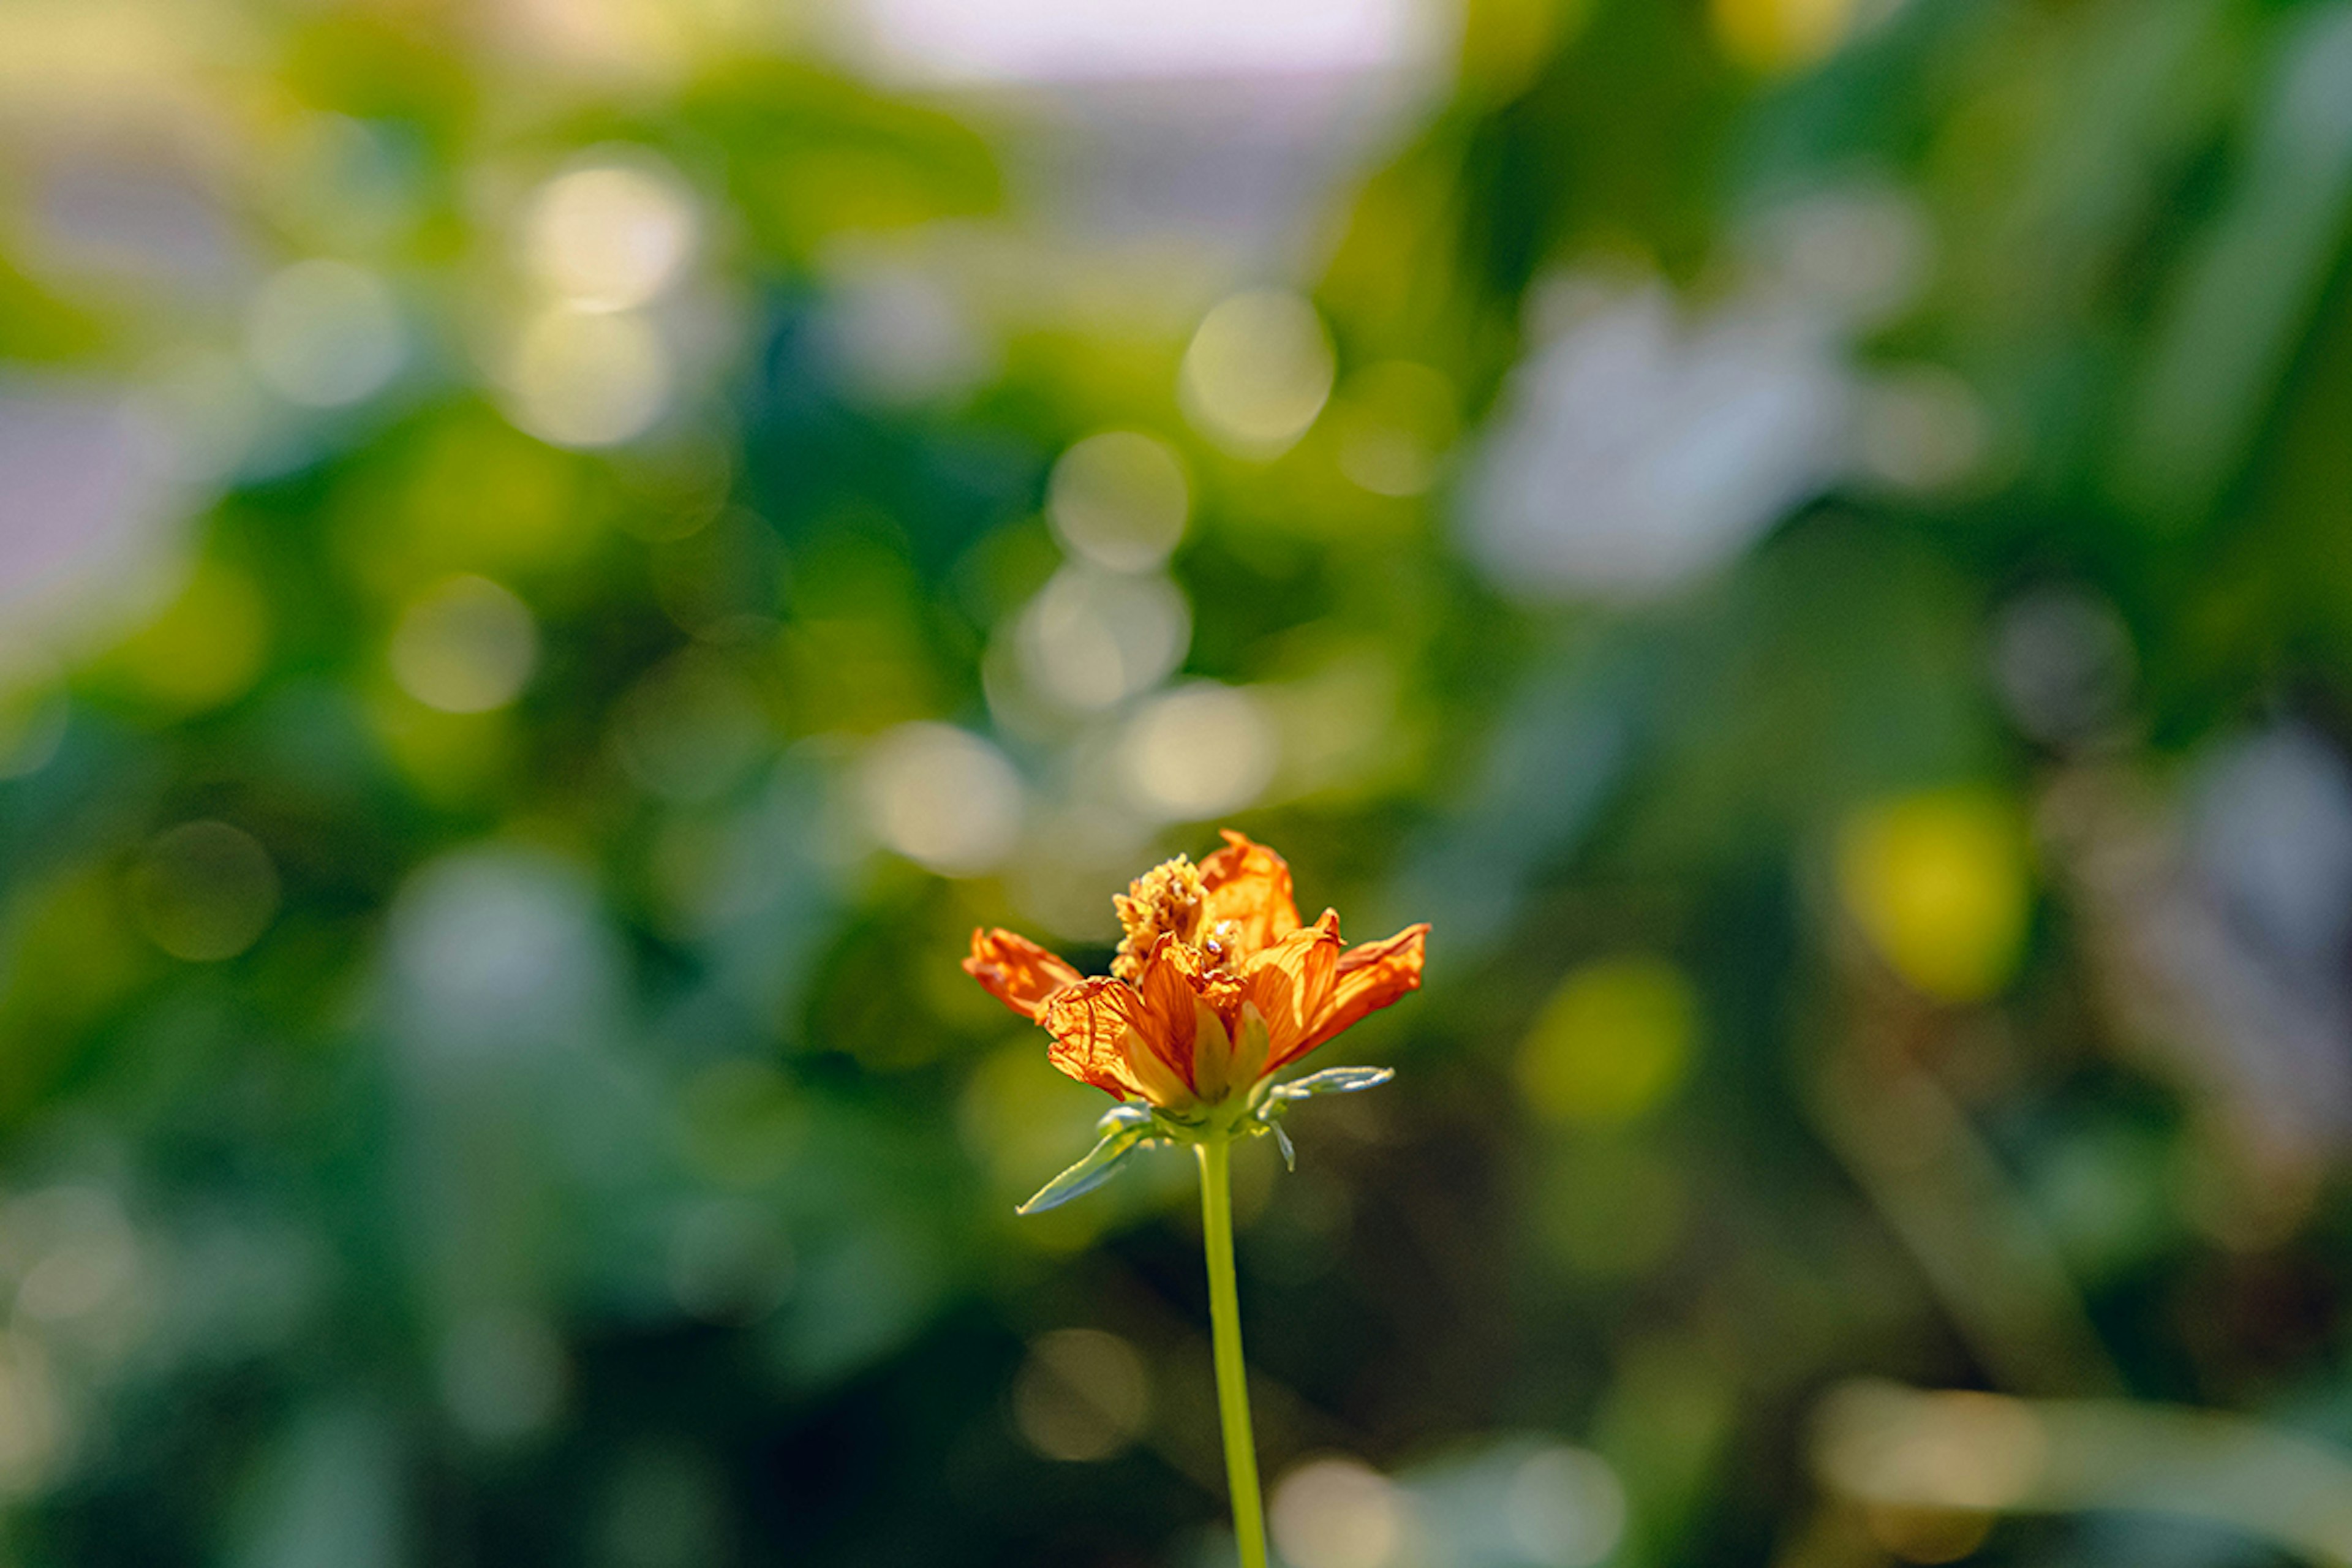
x: 1291, y: 983
x: 1017, y: 972
x: 1249, y: 885
x: 1168, y: 1021
x: 1370, y: 978
x: 1089, y: 1023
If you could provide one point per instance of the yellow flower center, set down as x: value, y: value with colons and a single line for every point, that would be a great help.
x: 1168, y: 899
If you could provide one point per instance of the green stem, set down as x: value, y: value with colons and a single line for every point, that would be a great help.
x: 1226, y: 1328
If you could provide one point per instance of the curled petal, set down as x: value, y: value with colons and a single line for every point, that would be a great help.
x: 1090, y: 1022
x: 1291, y: 984
x: 1202, y: 974
x: 1249, y: 885
x: 1017, y: 972
x: 1369, y: 977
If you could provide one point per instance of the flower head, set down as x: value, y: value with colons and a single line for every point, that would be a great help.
x: 1216, y: 984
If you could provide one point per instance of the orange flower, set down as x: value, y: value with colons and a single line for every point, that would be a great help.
x: 1216, y: 984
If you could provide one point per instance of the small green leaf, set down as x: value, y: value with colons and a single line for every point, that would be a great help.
x: 1334, y: 1080
x: 1123, y: 1129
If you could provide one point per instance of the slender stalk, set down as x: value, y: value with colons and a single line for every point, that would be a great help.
x: 1226, y: 1328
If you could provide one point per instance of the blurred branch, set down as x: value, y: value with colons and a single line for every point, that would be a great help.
x: 1996, y: 1272
x: 1887, y: 1446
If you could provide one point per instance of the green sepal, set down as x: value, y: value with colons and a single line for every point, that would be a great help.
x: 1274, y: 1100
x: 1333, y: 1080
x: 1123, y: 1129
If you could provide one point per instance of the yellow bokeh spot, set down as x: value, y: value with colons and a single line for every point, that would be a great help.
x: 450, y: 758
x: 1613, y: 1043
x: 1940, y: 886
x: 1927, y: 1535
x: 483, y: 497
x: 67, y: 954
x: 206, y: 647
x: 1506, y: 42
x: 1781, y: 35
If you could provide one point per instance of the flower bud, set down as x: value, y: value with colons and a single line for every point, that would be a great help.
x: 1161, y: 1084
x: 1212, y: 1053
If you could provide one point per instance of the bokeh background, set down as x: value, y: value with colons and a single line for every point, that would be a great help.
x: 557, y: 556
